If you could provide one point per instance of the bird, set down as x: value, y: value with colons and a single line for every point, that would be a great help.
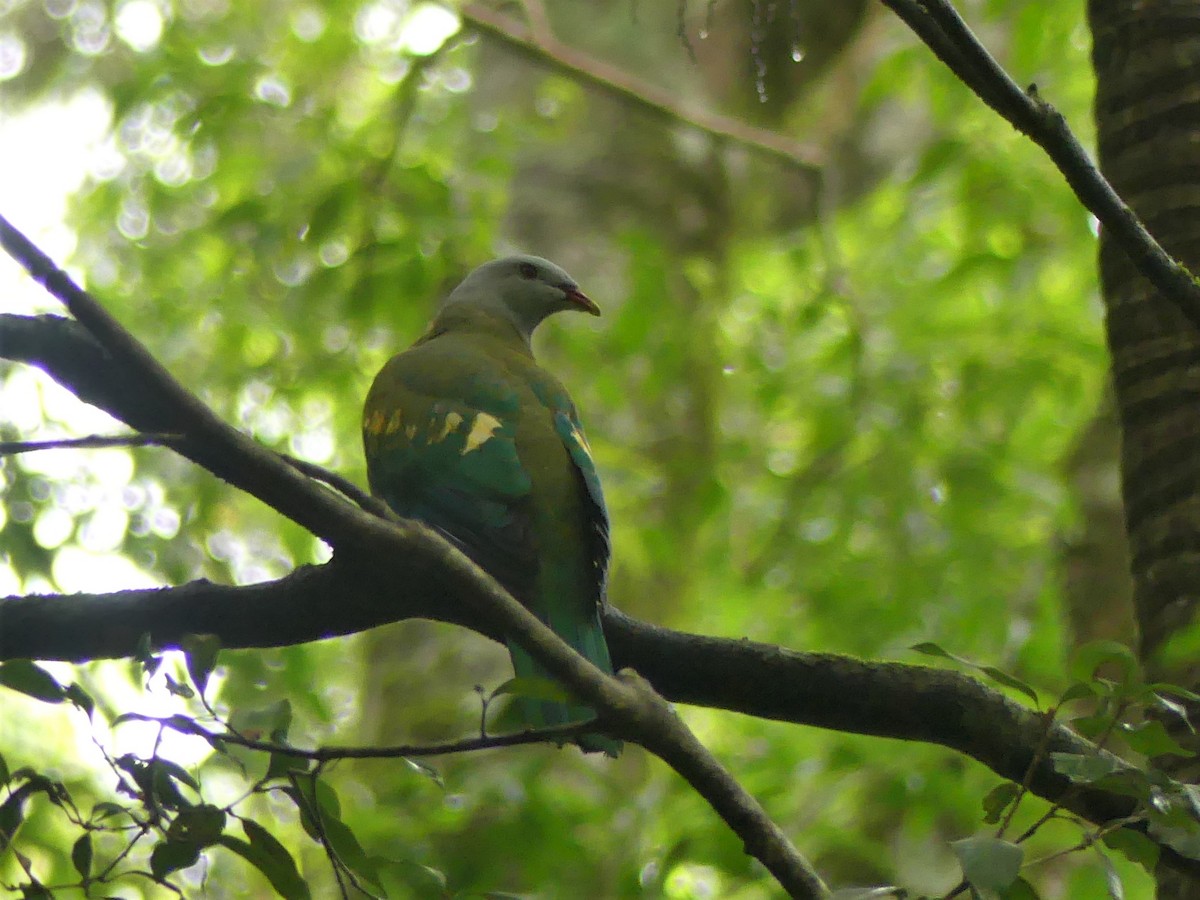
x: 467, y: 434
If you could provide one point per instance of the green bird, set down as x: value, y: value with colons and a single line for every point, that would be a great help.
x: 465, y: 432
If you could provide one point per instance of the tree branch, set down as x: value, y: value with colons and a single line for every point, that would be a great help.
x: 538, y: 44
x: 628, y: 710
x: 941, y: 29
x: 882, y: 699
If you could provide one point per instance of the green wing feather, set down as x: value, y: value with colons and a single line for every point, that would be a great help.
x: 487, y: 448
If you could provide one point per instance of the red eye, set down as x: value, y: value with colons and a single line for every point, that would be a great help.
x: 527, y: 270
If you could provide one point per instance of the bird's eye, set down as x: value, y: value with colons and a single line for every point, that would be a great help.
x: 527, y: 270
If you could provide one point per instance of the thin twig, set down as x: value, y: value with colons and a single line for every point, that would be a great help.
x: 642, y: 95
x: 558, y: 734
x: 95, y: 442
x: 339, y: 483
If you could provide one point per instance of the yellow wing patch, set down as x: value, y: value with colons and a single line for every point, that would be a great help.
x: 449, y: 424
x: 373, y: 423
x: 482, y: 428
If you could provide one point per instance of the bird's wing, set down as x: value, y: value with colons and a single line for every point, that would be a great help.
x: 449, y: 458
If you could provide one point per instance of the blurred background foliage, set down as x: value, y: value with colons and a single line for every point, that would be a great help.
x: 836, y: 400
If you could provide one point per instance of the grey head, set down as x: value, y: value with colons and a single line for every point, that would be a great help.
x: 520, y: 289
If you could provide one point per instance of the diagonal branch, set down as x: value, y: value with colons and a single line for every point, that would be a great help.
x: 626, y: 706
x: 941, y: 28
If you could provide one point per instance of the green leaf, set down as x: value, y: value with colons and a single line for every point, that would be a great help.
x: 1184, y: 841
x: 81, y: 855
x: 1109, y: 654
x: 998, y: 800
x: 1112, y: 878
x: 12, y: 814
x: 270, y: 857
x: 1080, y: 690
x: 988, y: 863
x: 4, y: 776
x: 81, y: 698
x: 1019, y: 890
x: 144, y: 658
x: 1009, y: 681
x: 931, y: 649
x: 27, y: 677
x: 1150, y: 738
x: 996, y: 675
x: 171, y: 856
x: 106, y: 810
x: 1174, y: 690
x: 200, y: 653
x: 327, y: 808
x: 264, y: 722
x: 1093, y: 725
x: 198, y: 825
x: 1083, y: 768
x: 176, y: 771
x: 1175, y: 708
x: 284, y: 764
x: 178, y: 689
x: 1135, y: 846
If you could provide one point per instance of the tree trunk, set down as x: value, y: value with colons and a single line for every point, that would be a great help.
x: 1146, y: 57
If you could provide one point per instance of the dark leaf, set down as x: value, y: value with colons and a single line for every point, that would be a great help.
x: 270, y: 857
x: 171, y: 856
x: 1080, y: 690
x: 1135, y: 846
x: 264, y: 723
x: 198, y: 825
x: 1150, y: 738
x: 931, y: 649
x: 200, y: 652
x: 81, y: 855
x: 1107, y: 654
x: 81, y: 698
x: 998, y: 800
x: 1019, y: 890
x: 1009, y: 681
x: 177, y: 689
x: 1083, y: 768
x: 988, y: 863
x: 283, y: 764
x: 30, y: 679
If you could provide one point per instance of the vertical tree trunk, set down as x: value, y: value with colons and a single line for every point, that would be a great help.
x: 1146, y: 56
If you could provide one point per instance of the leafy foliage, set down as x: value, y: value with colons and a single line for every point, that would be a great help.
x: 831, y: 416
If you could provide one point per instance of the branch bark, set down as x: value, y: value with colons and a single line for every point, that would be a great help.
x: 626, y: 706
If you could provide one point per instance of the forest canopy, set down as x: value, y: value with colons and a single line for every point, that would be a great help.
x: 847, y: 396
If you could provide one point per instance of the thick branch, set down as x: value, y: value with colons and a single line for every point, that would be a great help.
x: 890, y: 700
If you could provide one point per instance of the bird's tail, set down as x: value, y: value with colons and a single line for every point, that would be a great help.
x: 536, y: 713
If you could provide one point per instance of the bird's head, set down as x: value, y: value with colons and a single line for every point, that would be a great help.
x: 522, y: 289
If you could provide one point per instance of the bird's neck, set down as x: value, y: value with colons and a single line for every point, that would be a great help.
x: 483, y: 323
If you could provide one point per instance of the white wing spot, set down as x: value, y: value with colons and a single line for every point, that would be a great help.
x: 449, y: 424
x: 482, y: 429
